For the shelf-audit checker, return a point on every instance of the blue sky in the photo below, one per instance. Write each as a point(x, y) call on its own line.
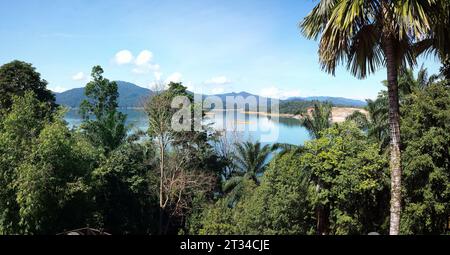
point(211, 46)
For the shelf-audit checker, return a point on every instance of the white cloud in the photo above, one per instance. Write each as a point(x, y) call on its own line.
point(219, 80)
point(274, 92)
point(144, 63)
point(175, 77)
point(58, 89)
point(158, 75)
point(217, 90)
point(144, 58)
point(123, 57)
point(79, 76)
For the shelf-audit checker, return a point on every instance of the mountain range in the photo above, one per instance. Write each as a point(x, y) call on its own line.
point(131, 95)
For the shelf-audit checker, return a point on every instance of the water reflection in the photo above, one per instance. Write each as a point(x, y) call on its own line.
point(251, 126)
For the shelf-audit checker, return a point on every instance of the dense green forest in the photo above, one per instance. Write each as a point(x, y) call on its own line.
point(388, 172)
point(300, 106)
point(164, 182)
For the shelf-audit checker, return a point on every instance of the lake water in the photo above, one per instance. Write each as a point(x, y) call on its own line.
point(266, 129)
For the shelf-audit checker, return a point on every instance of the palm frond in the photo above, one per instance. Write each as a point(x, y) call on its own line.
point(318, 119)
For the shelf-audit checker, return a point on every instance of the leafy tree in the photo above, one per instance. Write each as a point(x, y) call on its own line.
point(122, 188)
point(216, 219)
point(425, 130)
point(318, 119)
point(279, 206)
point(219, 218)
point(108, 129)
point(369, 34)
point(52, 184)
point(186, 159)
point(16, 78)
point(347, 181)
point(160, 113)
point(18, 129)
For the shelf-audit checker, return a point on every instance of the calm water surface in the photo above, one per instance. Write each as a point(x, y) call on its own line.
point(248, 126)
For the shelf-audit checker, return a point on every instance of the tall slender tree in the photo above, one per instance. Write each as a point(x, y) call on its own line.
point(108, 129)
point(159, 112)
point(185, 158)
point(367, 35)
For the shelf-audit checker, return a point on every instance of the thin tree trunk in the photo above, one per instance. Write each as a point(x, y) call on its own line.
point(161, 190)
point(322, 215)
point(394, 125)
point(323, 220)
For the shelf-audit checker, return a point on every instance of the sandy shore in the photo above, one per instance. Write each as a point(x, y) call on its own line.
point(339, 114)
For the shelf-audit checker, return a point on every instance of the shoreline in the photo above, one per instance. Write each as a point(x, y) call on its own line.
point(339, 114)
point(282, 115)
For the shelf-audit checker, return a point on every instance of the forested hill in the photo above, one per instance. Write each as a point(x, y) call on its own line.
point(336, 101)
point(132, 95)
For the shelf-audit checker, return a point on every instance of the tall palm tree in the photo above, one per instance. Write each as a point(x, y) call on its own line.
point(318, 119)
point(367, 35)
point(250, 161)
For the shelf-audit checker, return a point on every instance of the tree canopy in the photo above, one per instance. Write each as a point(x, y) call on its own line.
point(17, 78)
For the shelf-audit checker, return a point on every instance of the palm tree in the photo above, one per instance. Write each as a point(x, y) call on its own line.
point(367, 35)
point(408, 82)
point(377, 122)
point(317, 120)
point(283, 148)
point(360, 119)
point(250, 161)
point(379, 119)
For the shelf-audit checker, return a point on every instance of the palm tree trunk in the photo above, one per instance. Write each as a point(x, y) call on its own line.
point(394, 125)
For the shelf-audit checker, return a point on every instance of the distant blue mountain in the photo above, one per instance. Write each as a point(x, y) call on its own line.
point(130, 95)
point(234, 94)
point(337, 101)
